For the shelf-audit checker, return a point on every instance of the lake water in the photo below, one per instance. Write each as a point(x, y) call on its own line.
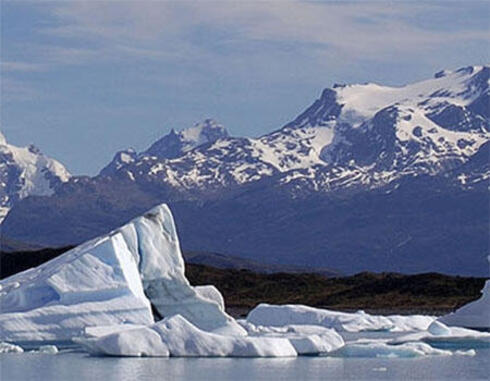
point(79, 366)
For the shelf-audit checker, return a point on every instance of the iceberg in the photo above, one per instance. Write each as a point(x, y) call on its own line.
point(306, 339)
point(108, 281)
point(10, 348)
point(283, 315)
point(133, 342)
point(472, 315)
point(175, 336)
point(440, 335)
point(381, 349)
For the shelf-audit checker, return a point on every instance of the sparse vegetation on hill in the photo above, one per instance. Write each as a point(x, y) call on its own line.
point(243, 289)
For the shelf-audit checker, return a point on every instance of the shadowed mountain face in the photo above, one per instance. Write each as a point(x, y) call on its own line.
point(367, 178)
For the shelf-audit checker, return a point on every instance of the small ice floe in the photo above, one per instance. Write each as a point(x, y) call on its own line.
point(440, 335)
point(175, 336)
point(382, 349)
point(46, 349)
point(275, 315)
point(306, 339)
point(380, 369)
point(10, 348)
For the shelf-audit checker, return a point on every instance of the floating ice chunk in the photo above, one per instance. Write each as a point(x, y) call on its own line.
point(306, 339)
point(381, 349)
point(186, 340)
point(178, 337)
point(46, 349)
point(273, 315)
point(136, 342)
point(441, 335)
point(10, 348)
point(469, 352)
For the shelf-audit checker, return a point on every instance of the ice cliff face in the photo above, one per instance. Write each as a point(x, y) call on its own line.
point(110, 280)
point(25, 171)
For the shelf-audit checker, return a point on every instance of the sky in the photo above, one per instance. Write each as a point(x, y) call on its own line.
point(82, 80)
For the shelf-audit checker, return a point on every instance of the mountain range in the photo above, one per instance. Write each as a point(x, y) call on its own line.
point(368, 177)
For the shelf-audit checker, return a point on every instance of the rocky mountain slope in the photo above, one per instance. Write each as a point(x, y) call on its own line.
point(369, 177)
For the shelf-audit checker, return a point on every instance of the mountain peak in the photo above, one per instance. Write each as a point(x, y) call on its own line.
point(175, 144)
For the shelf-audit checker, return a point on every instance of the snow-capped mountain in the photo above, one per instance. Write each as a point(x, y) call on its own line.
point(171, 146)
point(25, 171)
point(352, 135)
point(368, 177)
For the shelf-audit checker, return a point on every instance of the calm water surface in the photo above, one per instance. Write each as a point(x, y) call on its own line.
point(82, 367)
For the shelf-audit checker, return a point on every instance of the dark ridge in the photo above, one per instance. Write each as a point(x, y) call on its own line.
point(242, 289)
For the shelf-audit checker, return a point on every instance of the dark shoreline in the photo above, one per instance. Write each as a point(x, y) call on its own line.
point(375, 293)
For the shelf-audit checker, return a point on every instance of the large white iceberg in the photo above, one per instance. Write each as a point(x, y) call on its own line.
point(472, 315)
point(283, 315)
point(111, 280)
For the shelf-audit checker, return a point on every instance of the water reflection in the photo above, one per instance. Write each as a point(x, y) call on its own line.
point(81, 367)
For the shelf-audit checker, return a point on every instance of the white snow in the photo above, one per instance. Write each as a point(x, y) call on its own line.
point(36, 173)
point(196, 135)
point(273, 315)
point(361, 102)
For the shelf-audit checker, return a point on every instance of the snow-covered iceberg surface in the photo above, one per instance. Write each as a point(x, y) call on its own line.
point(111, 280)
point(472, 315)
point(283, 315)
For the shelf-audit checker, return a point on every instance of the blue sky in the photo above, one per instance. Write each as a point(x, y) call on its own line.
point(82, 80)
